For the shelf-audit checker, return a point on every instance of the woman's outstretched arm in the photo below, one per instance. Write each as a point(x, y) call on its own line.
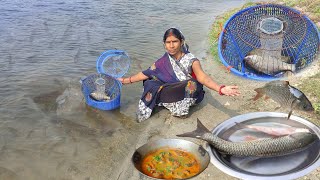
point(206, 80)
point(135, 78)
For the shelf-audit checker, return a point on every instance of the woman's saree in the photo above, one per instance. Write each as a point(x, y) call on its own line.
point(171, 85)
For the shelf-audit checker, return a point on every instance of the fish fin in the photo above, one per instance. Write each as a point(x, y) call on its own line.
point(293, 105)
point(286, 83)
point(290, 112)
point(266, 98)
point(259, 94)
point(277, 108)
point(201, 129)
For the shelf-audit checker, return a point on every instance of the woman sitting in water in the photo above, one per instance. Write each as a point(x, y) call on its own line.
point(174, 81)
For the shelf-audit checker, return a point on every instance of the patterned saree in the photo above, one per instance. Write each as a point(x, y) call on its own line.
point(170, 84)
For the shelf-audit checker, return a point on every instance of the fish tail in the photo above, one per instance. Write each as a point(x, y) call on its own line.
point(201, 129)
point(259, 94)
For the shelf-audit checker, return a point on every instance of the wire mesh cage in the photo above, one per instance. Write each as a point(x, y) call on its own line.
point(268, 42)
point(103, 90)
point(112, 91)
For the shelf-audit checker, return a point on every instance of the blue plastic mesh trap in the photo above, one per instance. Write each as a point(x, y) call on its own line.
point(110, 65)
point(112, 89)
point(277, 38)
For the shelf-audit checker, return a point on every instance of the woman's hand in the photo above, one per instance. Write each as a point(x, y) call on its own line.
point(230, 91)
point(123, 80)
point(132, 79)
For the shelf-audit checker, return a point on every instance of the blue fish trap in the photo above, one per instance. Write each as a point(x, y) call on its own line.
point(111, 64)
point(265, 42)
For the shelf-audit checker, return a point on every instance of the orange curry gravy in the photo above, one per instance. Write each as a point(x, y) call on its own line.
point(170, 163)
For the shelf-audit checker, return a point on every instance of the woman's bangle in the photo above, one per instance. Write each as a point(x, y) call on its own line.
point(130, 79)
point(222, 86)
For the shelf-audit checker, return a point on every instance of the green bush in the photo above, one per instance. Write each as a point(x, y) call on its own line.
point(317, 108)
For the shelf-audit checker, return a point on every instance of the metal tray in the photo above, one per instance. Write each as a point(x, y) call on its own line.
point(198, 151)
point(289, 166)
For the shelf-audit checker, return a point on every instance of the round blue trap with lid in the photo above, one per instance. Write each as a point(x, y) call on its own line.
point(268, 42)
point(103, 90)
point(112, 91)
point(115, 63)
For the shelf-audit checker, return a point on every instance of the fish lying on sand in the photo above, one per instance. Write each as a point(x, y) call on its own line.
point(274, 130)
point(99, 96)
point(268, 65)
point(286, 95)
point(265, 147)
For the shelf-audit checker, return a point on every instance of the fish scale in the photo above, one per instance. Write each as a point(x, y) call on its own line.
point(283, 96)
point(268, 65)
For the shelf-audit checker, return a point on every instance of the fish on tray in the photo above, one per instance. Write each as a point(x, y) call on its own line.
point(272, 130)
point(98, 96)
point(286, 95)
point(266, 147)
point(268, 65)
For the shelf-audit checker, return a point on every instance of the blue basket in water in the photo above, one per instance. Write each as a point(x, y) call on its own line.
point(295, 40)
point(111, 64)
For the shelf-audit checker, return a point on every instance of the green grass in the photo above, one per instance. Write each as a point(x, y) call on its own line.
point(217, 28)
point(311, 86)
point(317, 107)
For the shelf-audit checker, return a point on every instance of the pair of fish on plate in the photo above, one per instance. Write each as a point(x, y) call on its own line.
point(283, 141)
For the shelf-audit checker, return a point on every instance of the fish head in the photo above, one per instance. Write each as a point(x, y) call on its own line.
point(304, 104)
point(247, 58)
point(250, 57)
point(301, 101)
point(311, 137)
point(305, 137)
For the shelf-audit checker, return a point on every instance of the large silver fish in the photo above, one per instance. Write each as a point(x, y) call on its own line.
point(286, 95)
point(268, 65)
point(266, 147)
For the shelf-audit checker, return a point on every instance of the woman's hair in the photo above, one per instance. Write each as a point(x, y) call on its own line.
point(178, 34)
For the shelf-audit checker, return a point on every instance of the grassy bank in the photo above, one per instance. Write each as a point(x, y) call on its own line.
point(311, 8)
